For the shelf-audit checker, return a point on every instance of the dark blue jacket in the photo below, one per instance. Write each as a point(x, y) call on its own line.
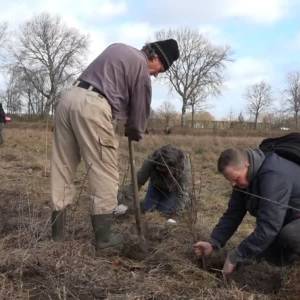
point(277, 179)
point(2, 115)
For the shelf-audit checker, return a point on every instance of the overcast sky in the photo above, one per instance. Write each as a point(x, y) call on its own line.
point(263, 34)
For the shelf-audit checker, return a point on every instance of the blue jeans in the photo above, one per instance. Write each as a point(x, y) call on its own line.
point(164, 202)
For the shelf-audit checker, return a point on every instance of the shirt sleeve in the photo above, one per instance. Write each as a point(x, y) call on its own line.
point(230, 220)
point(139, 108)
point(144, 172)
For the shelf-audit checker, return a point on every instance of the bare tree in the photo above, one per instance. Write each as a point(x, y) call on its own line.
point(259, 98)
point(3, 27)
point(241, 118)
point(3, 40)
point(197, 102)
point(49, 55)
point(20, 95)
point(3, 33)
point(199, 119)
point(34, 101)
point(199, 68)
point(11, 96)
point(231, 116)
point(293, 95)
point(167, 113)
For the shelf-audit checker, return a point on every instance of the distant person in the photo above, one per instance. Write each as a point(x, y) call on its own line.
point(2, 123)
point(115, 86)
point(169, 173)
point(275, 181)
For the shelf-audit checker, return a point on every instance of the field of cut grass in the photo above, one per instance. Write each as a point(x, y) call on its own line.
point(32, 266)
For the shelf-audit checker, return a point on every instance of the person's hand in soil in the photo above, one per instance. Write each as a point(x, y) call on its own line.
point(229, 267)
point(203, 248)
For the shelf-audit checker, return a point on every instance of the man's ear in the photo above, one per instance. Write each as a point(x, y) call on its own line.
point(246, 164)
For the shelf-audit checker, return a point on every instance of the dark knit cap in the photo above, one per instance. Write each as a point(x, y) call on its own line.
point(167, 51)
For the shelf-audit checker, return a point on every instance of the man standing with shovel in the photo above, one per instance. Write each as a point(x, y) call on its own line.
point(115, 86)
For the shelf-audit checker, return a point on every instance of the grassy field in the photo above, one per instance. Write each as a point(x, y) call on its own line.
point(34, 267)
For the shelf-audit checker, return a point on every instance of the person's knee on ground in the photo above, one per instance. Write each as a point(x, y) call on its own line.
point(289, 241)
point(163, 202)
point(167, 205)
point(151, 200)
point(286, 247)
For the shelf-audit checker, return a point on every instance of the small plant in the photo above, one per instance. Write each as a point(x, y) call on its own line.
point(199, 151)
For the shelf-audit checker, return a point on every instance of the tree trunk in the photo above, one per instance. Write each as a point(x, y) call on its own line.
point(46, 111)
point(255, 121)
point(183, 110)
point(48, 105)
point(31, 110)
point(193, 115)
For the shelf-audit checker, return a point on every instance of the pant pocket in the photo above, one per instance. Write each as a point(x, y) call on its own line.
point(108, 150)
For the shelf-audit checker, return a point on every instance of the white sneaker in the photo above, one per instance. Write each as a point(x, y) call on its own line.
point(121, 209)
point(171, 221)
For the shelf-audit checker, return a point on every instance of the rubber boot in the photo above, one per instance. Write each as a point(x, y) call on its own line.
point(58, 221)
point(103, 235)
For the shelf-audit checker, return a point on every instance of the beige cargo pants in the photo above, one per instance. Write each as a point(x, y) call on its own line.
point(83, 128)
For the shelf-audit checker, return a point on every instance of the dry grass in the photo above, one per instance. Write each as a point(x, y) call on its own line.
point(34, 267)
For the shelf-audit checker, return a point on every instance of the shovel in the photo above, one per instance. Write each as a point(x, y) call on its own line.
point(136, 205)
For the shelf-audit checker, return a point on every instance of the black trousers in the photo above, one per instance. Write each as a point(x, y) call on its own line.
point(286, 248)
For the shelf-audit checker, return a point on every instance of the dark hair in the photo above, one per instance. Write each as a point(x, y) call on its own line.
point(171, 159)
point(149, 51)
point(231, 156)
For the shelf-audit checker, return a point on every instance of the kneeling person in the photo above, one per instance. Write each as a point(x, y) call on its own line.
point(168, 169)
point(268, 187)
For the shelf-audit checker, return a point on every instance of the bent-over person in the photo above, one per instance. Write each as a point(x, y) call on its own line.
point(268, 187)
point(115, 86)
point(169, 173)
